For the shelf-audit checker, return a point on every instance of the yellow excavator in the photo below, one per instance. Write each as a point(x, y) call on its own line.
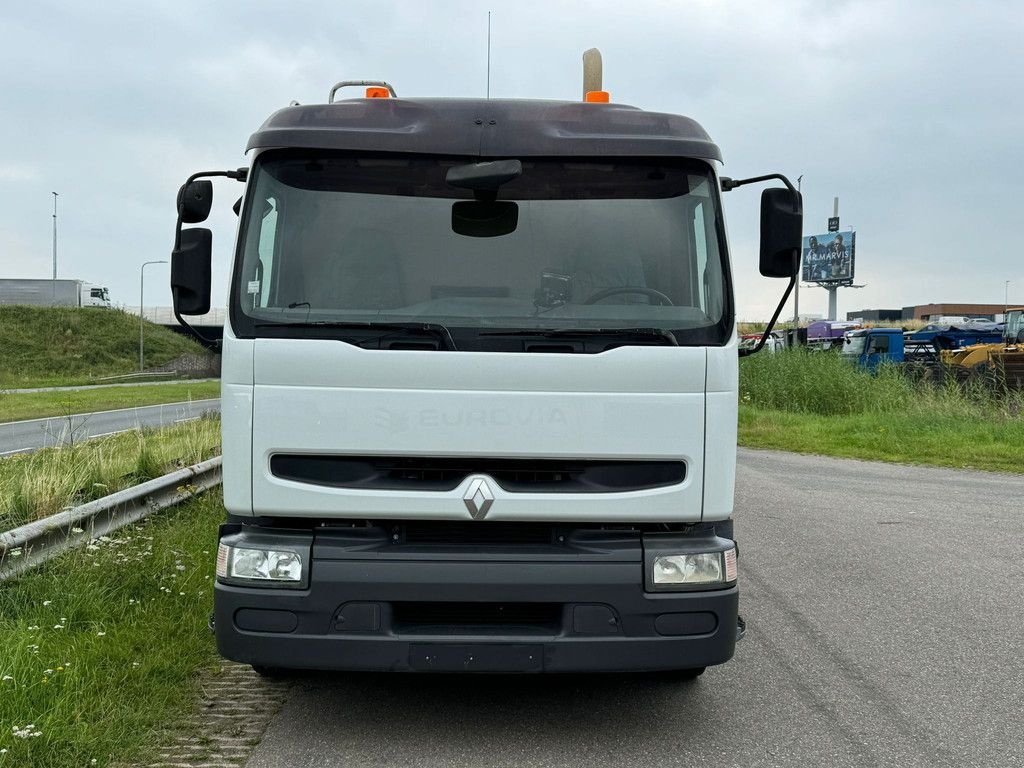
point(1004, 360)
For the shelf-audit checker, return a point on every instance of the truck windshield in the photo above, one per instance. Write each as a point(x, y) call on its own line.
point(341, 240)
point(854, 344)
point(1015, 326)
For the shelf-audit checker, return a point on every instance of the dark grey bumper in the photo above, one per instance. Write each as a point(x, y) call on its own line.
point(574, 608)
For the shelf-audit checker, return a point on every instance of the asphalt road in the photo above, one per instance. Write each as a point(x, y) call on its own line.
point(884, 608)
point(31, 435)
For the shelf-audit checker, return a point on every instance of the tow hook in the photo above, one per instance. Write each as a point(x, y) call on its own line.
point(741, 628)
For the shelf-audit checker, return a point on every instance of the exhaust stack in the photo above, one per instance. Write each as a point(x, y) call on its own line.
point(592, 76)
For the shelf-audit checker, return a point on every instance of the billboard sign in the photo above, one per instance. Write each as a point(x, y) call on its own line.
point(829, 258)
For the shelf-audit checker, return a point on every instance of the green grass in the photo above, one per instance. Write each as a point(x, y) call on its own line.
point(816, 402)
point(53, 346)
point(102, 646)
point(35, 405)
point(35, 485)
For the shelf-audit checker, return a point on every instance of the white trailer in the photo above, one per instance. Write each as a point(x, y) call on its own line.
point(52, 293)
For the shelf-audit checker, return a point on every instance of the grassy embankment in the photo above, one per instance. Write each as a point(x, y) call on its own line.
point(100, 647)
point(35, 485)
point(34, 405)
point(816, 402)
point(57, 346)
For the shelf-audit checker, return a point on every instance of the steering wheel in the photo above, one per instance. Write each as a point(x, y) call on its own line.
point(661, 298)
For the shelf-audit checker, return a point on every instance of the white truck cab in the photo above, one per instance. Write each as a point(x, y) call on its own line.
point(95, 296)
point(479, 387)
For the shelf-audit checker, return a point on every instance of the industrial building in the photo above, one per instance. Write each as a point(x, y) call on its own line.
point(928, 311)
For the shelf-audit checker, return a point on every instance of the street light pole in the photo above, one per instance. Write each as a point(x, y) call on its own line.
point(1006, 299)
point(54, 235)
point(142, 286)
point(796, 288)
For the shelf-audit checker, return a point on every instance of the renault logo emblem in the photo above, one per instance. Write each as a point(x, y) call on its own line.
point(478, 498)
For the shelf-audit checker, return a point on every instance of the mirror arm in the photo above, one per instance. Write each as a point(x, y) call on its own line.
point(728, 184)
point(771, 323)
point(214, 343)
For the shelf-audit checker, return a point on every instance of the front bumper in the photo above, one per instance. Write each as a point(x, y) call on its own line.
point(579, 606)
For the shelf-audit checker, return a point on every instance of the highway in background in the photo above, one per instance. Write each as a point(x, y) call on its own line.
point(883, 606)
point(33, 434)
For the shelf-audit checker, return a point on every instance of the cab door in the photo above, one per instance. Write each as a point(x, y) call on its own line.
point(877, 351)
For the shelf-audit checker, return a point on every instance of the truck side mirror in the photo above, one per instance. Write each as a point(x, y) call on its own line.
point(782, 214)
point(190, 272)
point(194, 201)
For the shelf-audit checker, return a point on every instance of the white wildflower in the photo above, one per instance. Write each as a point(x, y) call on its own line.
point(47, 602)
point(77, 530)
point(100, 634)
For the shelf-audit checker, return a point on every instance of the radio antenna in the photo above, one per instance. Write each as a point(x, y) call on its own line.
point(488, 54)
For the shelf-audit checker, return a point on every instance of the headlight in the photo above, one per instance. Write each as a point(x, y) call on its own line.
point(694, 569)
point(258, 564)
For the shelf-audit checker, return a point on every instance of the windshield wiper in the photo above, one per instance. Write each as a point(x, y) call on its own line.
point(437, 329)
point(616, 333)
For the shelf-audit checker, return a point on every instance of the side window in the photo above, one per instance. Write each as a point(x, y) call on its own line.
point(267, 248)
point(879, 345)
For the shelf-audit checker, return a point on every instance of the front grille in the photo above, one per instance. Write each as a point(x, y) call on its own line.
point(476, 618)
point(445, 532)
point(405, 473)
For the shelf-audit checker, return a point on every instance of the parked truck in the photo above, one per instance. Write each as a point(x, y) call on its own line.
point(479, 386)
point(828, 334)
point(955, 337)
point(871, 347)
point(53, 293)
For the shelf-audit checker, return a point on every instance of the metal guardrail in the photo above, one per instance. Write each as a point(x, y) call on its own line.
point(41, 540)
point(138, 375)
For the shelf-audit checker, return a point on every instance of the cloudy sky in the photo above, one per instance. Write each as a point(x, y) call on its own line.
point(911, 112)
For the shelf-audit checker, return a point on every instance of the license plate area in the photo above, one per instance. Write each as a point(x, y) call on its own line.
point(476, 657)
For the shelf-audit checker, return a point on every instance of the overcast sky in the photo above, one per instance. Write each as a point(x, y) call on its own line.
point(911, 112)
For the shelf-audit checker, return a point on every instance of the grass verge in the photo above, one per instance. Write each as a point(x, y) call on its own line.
point(37, 405)
point(39, 484)
point(816, 402)
point(946, 441)
point(53, 346)
point(101, 646)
